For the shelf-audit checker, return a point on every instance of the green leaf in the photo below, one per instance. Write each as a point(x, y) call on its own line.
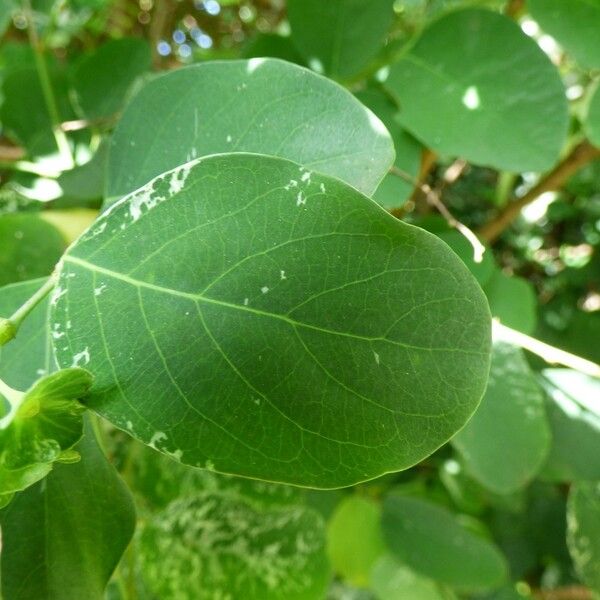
point(341, 36)
point(391, 580)
point(513, 301)
point(475, 100)
point(393, 190)
point(574, 25)
point(583, 531)
point(24, 112)
point(103, 78)
point(46, 422)
point(507, 439)
point(259, 105)
point(221, 544)
point(428, 539)
point(63, 537)
point(354, 539)
point(592, 122)
point(575, 423)
point(295, 331)
point(29, 248)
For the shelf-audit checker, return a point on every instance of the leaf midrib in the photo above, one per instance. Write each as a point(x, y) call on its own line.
point(262, 313)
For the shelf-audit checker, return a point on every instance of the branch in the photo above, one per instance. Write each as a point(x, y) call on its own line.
point(433, 198)
point(581, 155)
point(514, 7)
point(428, 159)
point(573, 592)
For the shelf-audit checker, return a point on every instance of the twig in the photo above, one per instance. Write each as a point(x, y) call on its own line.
point(433, 197)
point(549, 353)
point(573, 592)
point(581, 155)
point(428, 159)
point(10, 153)
point(514, 7)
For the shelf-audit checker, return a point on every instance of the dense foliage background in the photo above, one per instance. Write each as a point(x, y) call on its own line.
point(494, 114)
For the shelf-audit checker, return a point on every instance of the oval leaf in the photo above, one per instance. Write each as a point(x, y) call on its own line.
point(428, 539)
point(294, 331)
point(259, 105)
point(340, 36)
point(475, 100)
point(29, 248)
point(506, 441)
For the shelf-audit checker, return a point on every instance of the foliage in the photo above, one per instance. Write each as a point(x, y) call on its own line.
point(253, 252)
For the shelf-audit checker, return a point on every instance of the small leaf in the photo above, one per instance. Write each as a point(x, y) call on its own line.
point(354, 539)
point(47, 422)
point(574, 25)
point(221, 544)
point(29, 248)
point(104, 77)
point(295, 331)
point(259, 105)
point(507, 439)
point(342, 35)
point(475, 100)
point(428, 539)
point(63, 537)
point(583, 531)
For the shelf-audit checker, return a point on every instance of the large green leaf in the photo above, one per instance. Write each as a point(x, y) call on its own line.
point(258, 105)
point(292, 329)
point(29, 248)
point(463, 94)
point(507, 440)
point(354, 539)
point(63, 537)
point(583, 531)
point(103, 78)
point(221, 544)
point(342, 35)
point(575, 423)
point(574, 24)
point(429, 539)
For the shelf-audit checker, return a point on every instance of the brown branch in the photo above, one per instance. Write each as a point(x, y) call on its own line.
point(514, 7)
point(581, 155)
point(428, 159)
point(573, 592)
